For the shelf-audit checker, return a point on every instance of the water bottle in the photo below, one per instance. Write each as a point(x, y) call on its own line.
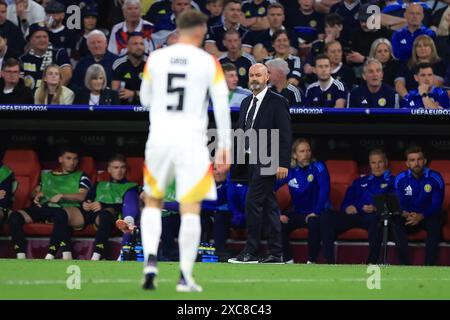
point(209, 253)
point(139, 252)
point(125, 252)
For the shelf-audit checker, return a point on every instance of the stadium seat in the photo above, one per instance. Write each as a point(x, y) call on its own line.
point(283, 198)
point(135, 167)
point(342, 174)
point(443, 167)
point(354, 234)
point(103, 176)
point(26, 168)
point(87, 165)
point(397, 166)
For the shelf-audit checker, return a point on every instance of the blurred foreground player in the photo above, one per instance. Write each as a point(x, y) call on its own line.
point(176, 83)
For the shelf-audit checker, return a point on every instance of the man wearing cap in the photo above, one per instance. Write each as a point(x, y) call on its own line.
point(42, 54)
point(10, 31)
point(60, 35)
point(89, 16)
point(362, 38)
point(133, 23)
point(24, 13)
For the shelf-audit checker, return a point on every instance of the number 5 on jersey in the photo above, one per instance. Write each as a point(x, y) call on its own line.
point(171, 89)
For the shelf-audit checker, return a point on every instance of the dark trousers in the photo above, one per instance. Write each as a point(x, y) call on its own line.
point(170, 229)
point(261, 203)
point(298, 221)
point(431, 224)
point(334, 223)
point(217, 224)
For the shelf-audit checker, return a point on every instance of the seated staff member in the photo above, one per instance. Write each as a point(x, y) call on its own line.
point(309, 185)
point(106, 202)
point(56, 199)
point(327, 92)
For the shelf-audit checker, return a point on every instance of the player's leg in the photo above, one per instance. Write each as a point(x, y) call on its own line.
point(157, 174)
point(195, 183)
point(17, 220)
point(104, 221)
point(60, 234)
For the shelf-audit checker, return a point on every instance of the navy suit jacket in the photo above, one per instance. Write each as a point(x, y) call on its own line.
point(272, 114)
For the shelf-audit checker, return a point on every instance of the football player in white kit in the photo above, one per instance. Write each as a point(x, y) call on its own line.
point(177, 84)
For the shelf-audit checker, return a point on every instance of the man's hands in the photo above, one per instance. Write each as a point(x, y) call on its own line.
point(125, 94)
point(413, 218)
point(92, 206)
point(351, 210)
point(368, 208)
point(282, 173)
point(355, 57)
point(2, 194)
point(37, 197)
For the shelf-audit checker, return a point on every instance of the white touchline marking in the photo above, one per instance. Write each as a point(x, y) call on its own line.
point(109, 281)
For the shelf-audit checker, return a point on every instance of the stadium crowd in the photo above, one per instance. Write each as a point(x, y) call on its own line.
point(319, 54)
point(335, 55)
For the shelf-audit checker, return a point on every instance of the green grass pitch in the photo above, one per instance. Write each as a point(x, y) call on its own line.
point(40, 279)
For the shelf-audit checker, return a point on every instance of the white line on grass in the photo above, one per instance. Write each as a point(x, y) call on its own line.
point(225, 281)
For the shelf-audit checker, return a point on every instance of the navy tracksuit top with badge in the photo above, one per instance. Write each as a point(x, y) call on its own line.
point(309, 188)
point(362, 190)
point(424, 195)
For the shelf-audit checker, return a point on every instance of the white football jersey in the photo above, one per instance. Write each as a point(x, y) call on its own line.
point(177, 84)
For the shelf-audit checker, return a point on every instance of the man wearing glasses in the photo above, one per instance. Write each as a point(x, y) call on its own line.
point(12, 87)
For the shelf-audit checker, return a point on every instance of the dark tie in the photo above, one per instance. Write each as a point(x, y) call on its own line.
point(251, 114)
point(249, 121)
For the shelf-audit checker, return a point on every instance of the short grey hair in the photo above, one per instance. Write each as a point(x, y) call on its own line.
point(93, 72)
point(370, 61)
point(133, 2)
point(94, 33)
point(279, 64)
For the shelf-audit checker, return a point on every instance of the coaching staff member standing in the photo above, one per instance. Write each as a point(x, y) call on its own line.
point(267, 110)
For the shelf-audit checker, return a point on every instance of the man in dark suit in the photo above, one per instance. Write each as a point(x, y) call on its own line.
point(263, 110)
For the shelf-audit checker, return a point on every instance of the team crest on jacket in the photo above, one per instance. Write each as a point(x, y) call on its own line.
point(427, 188)
point(311, 178)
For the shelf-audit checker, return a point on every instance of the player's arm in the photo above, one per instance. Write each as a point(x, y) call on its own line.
point(218, 91)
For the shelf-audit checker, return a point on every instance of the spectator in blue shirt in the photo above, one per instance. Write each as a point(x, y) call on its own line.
point(426, 95)
point(98, 53)
point(424, 51)
point(309, 185)
point(358, 208)
point(402, 40)
point(373, 93)
point(421, 194)
point(327, 92)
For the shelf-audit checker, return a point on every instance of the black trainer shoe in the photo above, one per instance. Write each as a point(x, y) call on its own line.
point(272, 259)
point(244, 257)
point(149, 281)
